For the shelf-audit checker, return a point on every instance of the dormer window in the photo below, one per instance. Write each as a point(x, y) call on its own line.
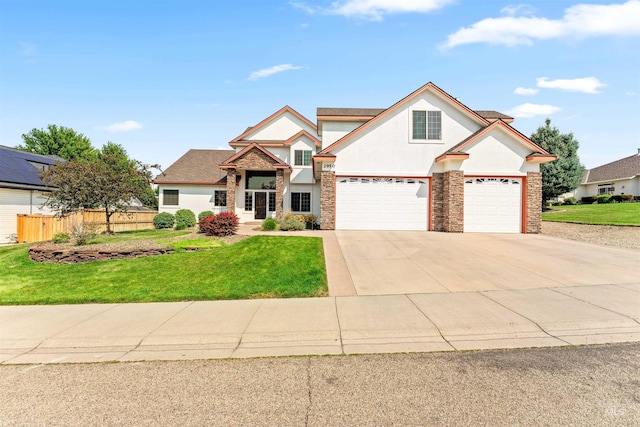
point(426, 125)
point(302, 158)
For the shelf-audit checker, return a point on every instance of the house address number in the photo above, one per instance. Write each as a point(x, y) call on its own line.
point(328, 167)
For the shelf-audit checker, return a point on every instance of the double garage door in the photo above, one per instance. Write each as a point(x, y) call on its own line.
point(382, 203)
point(491, 205)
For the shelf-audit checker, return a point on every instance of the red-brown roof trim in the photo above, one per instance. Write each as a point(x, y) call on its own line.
point(303, 132)
point(277, 163)
point(284, 109)
point(428, 86)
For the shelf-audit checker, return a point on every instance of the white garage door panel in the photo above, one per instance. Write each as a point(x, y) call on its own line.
point(381, 204)
point(493, 205)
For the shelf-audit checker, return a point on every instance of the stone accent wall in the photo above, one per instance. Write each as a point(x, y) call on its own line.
point(231, 190)
point(448, 201)
point(436, 201)
point(534, 202)
point(254, 159)
point(327, 200)
point(279, 192)
point(78, 256)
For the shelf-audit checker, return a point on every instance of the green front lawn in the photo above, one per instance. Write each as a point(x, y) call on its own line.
point(257, 267)
point(601, 214)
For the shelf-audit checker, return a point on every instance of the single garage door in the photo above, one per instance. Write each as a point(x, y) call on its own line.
point(381, 203)
point(493, 205)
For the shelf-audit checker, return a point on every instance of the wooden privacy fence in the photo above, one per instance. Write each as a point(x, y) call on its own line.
point(38, 228)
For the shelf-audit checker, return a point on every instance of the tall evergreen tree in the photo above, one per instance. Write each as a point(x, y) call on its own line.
point(562, 175)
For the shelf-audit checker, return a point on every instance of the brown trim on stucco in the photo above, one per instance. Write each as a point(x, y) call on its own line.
point(271, 117)
point(429, 86)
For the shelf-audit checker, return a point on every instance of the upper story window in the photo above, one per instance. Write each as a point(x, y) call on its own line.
point(170, 197)
point(302, 158)
point(426, 125)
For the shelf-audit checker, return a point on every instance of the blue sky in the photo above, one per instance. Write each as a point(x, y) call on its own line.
point(160, 77)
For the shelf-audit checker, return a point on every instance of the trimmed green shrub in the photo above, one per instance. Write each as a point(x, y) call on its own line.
point(570, 201)
point(269, 224)
point(555, 203)
point(61, 238)
point(185, 218)
point(223, 224)
point(82, 233)
point(587, 200)
point(204, 214)
point(163, 220)
point(292, 222)
point(311, 221)
point(604, 198)
point(622, 197)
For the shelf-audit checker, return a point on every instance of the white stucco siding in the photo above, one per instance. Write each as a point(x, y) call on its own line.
point(315, 197)
point(385, 148)
point(302, 174)
point(197, 198)
point(498, 153)
point(281, 128)
point(621, 186)
point(14, 202)
point(333, 131)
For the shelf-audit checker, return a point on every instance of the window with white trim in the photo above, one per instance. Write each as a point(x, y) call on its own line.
point(606, 189)
point(426, 125)
point(272, 201)
point(302, 158)
point(301, 202)
point(220, 198)
point(248, 200)
point(170, 197)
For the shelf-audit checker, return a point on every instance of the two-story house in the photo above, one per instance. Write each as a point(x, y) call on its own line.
point(428, 162)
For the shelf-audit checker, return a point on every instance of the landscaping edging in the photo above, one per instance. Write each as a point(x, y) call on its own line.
point(78, 256)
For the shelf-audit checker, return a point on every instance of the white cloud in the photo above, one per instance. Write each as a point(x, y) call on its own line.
point(125, 126)
point(585, 85)
point(374, 10)
point(525, 91)
point(579, 21)
point(533, 110)
point(517, 9)
point(272, 70)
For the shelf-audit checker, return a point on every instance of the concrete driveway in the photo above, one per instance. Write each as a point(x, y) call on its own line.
point(406, 262)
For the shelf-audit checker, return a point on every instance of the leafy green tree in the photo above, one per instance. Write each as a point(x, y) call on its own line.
point(60, 141)
point(562, 175)
point(109, 181)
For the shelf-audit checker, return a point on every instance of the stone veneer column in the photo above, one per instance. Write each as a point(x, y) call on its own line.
point(534, 202)
point(279, 192)
point(453, 205)
point(231, 190)
point(437, 201)
point(327, 200)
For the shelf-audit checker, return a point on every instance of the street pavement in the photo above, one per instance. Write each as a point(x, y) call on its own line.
point(586, 385)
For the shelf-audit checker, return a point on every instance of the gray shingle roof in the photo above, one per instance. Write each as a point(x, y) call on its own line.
point(349, 111)
point(17, 169)
point(196, 167)
point(623, 168)
point(372, 112)
point(491, 114)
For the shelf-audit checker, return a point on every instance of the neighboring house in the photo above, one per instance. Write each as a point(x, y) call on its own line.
point(427, 162)
point(21, 189)
point(194, 182)
point(619, 177)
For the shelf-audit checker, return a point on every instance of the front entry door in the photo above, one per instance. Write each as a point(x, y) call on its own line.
point(261, 205)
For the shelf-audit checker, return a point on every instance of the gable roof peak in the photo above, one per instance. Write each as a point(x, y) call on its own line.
point(278, 113)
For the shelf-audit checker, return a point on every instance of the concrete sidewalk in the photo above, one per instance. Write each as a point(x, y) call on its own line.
point(569, 315)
